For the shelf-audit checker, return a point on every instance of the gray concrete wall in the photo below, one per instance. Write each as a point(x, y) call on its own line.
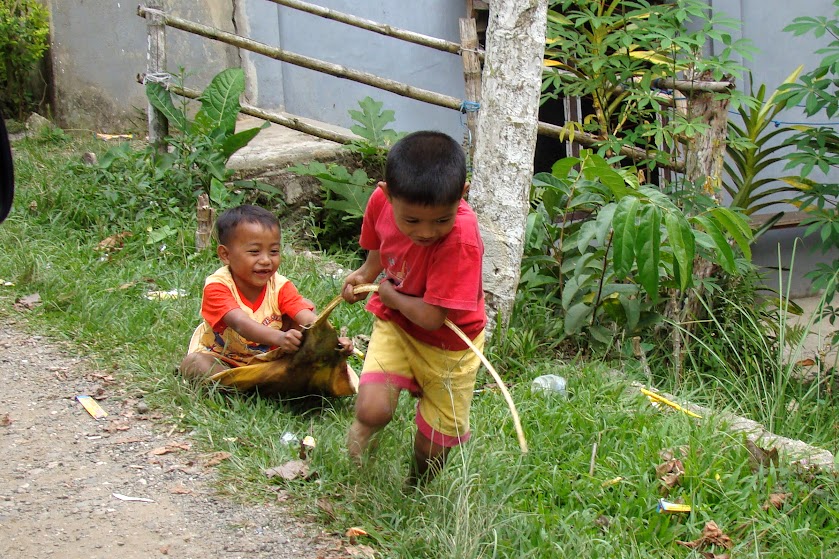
point(98, 48)
point(783, 254)
point(326, 98)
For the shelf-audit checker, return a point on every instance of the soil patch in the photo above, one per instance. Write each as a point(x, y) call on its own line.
point(64, 476)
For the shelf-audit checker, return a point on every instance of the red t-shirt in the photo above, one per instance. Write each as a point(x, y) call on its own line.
point(218, 301)
point(446, 274)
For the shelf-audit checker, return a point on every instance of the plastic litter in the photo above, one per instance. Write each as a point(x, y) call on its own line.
point(550, 383)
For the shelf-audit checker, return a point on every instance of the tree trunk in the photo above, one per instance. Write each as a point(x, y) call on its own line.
point(706, 152)
point(703, 168)
point(505, 143)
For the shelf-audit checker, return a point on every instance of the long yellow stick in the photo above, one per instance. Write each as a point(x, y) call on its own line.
point(372, 288)
point(659, 398)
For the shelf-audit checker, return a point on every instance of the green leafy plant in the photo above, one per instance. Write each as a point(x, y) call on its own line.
point(817, 147)
point(754, 146)
point(152, 193)
point(206, 143)
point(345, 191)
point(24, 33)
point(612, 52)
point(600, 246)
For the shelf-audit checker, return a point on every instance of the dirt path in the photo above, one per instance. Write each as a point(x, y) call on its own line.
point(60, 470)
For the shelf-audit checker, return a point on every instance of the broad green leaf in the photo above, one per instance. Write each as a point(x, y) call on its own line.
point(572, 288)
point(161, 99)
point(218, 192)
point(725, 256)
point(623, 238)
point(587, 232)
point(232, 144)
point(562, 168)
point(632, 310)
point(647, 247)
point(372, 121)
point(601, 334)
point(735, 225)
point(597, 169)
point(220, 102)
point(683, 246)
point(603, 223)
point(576, 318)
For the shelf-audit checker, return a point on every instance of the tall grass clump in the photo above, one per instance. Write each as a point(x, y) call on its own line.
point(747, 358)
point(589, 486)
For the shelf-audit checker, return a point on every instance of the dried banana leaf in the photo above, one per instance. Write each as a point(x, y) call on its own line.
point(318, 367)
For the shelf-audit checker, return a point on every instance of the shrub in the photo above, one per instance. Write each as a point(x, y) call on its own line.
point(24, 30)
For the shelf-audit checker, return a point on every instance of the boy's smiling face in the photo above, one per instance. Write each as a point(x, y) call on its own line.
point(424, 225)
point(253, 255)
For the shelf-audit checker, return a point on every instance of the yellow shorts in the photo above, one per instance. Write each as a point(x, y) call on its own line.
point(444, 381)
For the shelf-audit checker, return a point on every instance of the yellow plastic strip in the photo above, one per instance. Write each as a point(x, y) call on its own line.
point(658, 398)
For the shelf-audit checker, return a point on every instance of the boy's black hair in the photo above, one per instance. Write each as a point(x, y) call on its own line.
point(426, 168)
point(230, 219)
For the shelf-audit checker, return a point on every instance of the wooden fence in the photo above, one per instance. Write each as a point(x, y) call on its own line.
point(468, 49)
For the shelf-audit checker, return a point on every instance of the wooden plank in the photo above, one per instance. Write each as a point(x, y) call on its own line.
point(472, 75)
point(788, 219)
point(156, 66)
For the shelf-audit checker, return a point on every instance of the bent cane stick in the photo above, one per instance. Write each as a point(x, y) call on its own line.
point(372, 288)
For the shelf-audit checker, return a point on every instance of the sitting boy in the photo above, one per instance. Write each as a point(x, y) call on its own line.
point(425, 237)
point(248, 308)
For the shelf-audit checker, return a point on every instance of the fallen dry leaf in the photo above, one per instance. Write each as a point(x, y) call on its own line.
point(711, 535)
point(116, 426)
point(217, 458)
point(291, 470)
point(28, 302)
point(670, 473)
point(326, 507)
point(760, 457)
point(602, 522)
point(114, 242)
point(775, 500)
point(355, 532)
point(361, 552)
point(175, 447)
point(806, 362)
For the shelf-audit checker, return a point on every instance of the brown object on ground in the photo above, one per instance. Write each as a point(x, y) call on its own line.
point(318, 367)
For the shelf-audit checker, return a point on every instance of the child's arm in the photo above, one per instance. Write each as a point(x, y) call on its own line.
point(305, 317)
point(252, 330)
point(424, 315)
point(367, 273)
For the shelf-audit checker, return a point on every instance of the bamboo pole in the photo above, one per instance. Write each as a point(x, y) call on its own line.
point(567, 134)
point(336, 70)
point(283, 120)
point(155, 66)
point(404, 90)
point(375, 27)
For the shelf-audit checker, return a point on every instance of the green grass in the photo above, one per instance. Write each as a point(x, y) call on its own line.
point(491, 501)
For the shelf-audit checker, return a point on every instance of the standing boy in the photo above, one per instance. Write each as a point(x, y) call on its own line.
point(248, 307)
point(420, 232)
